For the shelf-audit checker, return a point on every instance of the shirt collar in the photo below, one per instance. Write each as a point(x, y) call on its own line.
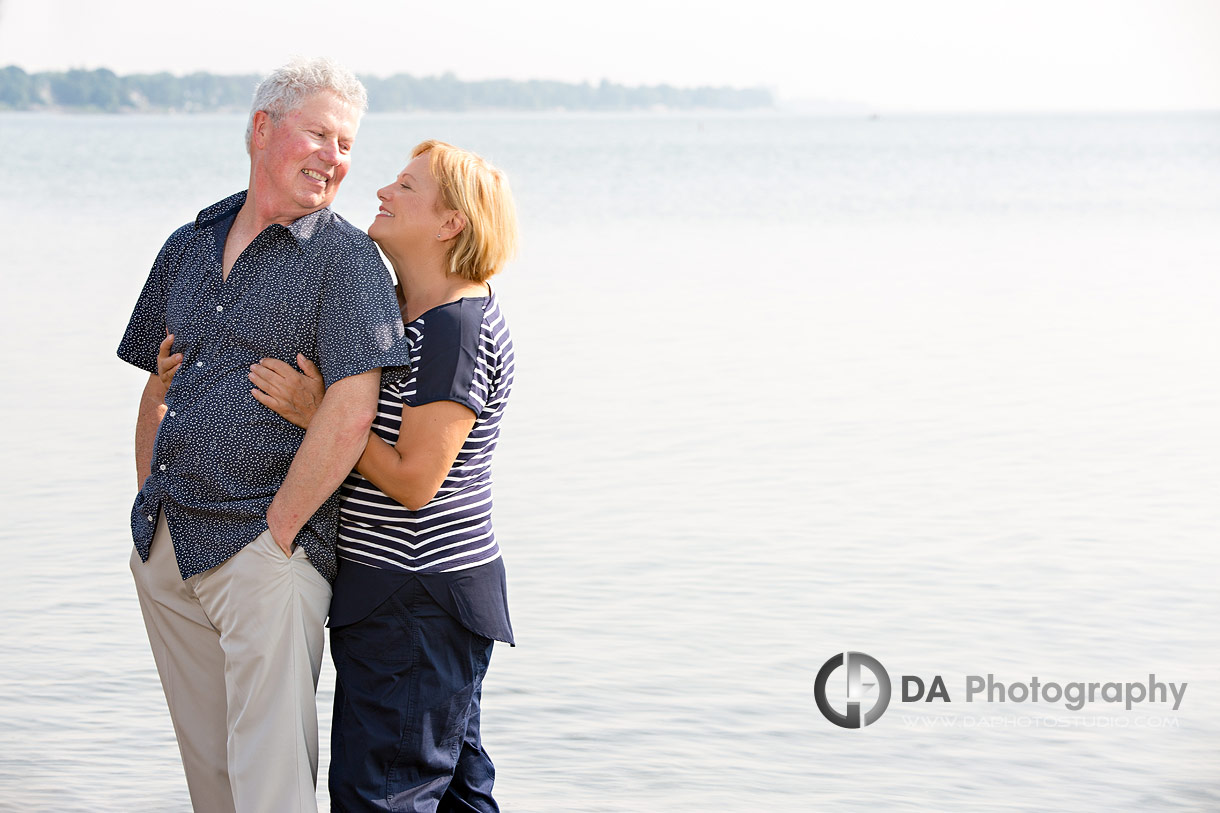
point(303, 229)
point(219, 211)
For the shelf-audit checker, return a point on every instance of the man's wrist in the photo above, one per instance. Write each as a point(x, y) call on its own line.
point(282, 532)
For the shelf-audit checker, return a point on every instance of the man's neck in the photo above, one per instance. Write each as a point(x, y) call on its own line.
point(247, 225)
point(261, 210)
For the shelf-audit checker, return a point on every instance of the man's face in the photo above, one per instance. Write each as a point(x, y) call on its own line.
point(306, 155)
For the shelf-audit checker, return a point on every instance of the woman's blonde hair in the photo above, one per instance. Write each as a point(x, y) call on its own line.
point(480, 192)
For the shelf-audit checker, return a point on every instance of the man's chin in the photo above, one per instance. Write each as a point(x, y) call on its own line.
point(313, 202)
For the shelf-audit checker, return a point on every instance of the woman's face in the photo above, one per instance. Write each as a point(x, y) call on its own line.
point(409, 216)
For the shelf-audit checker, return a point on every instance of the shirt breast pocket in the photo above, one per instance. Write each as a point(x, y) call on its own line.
point(183, 318)
point(278, 326)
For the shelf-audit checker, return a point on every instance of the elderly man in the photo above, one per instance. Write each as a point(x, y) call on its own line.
point(235, 520)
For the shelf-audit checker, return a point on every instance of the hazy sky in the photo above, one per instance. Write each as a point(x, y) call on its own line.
point(893, 54)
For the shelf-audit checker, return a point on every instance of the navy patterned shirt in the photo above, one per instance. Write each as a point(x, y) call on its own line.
point(316, 287)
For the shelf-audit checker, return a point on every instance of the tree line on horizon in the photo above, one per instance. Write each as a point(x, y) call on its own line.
point(104, 91)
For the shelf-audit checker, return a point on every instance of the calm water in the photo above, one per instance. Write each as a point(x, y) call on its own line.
point(941, 390)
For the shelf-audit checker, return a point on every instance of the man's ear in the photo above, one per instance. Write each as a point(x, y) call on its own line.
point(261, 130)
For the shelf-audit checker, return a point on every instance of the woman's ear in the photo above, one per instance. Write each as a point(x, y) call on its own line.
point(452, 226)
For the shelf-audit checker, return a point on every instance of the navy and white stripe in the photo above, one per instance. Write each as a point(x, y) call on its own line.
point(461, 352)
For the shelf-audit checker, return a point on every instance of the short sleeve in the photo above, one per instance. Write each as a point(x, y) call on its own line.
point(146, 328)
point(359, 325)
point(451, 366)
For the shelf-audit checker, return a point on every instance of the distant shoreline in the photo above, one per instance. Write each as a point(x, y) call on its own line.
point(103, 91)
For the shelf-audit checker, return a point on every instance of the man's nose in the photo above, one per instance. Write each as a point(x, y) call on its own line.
point(330, 153)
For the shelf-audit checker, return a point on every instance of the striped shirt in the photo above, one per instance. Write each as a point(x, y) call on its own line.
point(460, 352)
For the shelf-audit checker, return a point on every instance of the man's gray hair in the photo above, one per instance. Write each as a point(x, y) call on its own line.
point(287, 88)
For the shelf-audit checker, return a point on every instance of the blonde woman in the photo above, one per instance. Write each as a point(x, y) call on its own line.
point(420, 595)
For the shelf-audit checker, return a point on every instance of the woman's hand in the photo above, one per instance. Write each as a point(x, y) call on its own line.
point(291, 395)
point(167, 364)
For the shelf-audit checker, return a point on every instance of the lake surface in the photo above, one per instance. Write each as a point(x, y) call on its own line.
point(940, 390)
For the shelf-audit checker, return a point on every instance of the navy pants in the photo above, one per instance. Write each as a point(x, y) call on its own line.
point(405, 734)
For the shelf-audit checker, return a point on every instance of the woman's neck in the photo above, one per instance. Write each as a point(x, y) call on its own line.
point(419, 293)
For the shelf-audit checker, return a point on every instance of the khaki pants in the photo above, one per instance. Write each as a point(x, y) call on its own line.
point(238, 648)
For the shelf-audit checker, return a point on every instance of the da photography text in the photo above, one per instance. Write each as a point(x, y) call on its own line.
point(861, 694)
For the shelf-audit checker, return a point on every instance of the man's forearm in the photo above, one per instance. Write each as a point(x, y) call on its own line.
point(152, 410)
point(332, 445)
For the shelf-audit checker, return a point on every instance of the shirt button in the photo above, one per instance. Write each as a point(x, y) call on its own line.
point(162, 467)
point(172, 413)
point(150, 519)
point(199, 364)
point(219, 308)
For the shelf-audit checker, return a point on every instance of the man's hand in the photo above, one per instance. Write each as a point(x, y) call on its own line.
point(283, 534)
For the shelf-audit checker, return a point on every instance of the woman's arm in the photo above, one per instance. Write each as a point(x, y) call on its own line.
point(152, 407)
point(411, 472)
point(429, 441)
point(148, 419)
